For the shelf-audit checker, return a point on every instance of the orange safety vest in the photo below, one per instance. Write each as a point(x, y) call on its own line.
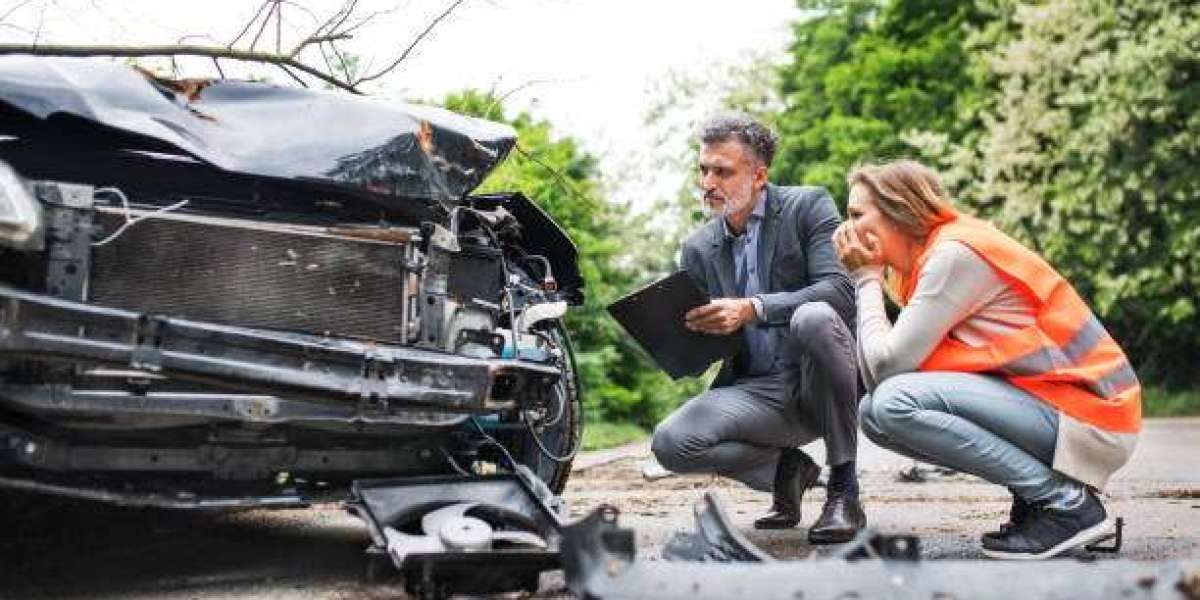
point(1066, 358)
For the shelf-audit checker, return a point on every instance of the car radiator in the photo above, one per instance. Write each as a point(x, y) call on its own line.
point(336, 282)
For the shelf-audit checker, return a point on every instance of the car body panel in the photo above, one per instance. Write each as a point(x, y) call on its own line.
point(392, 149)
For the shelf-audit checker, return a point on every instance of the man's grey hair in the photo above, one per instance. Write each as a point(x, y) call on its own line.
point(752, 134)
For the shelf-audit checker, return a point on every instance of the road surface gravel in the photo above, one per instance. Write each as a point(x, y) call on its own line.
point(51, 547)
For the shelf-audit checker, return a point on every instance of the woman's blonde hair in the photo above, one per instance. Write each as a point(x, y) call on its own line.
point(910, 195)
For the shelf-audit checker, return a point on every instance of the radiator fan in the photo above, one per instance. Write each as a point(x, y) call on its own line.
point(463, 527)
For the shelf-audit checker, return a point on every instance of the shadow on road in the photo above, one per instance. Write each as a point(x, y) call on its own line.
point(56, 547)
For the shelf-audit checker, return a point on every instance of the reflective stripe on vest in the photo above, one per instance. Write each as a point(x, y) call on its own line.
point(1066, 358)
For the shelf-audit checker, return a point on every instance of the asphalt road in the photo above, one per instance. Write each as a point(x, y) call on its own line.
point(55, 548)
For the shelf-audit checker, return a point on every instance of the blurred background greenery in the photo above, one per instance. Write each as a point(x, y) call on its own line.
point(1071, 124)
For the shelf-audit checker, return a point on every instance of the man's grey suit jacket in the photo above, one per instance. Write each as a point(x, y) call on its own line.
point(795, 249)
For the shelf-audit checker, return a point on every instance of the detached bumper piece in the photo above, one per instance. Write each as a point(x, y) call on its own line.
point(715, 562)
point(377, 379)
point(496, 534)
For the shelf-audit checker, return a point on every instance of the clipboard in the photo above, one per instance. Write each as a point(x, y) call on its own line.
point(653, 315)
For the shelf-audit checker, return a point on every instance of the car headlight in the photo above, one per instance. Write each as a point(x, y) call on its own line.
point(20, 213)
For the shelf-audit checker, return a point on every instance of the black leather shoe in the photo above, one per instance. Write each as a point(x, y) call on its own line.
point(794, 474)
point(1019, 511)
point(841, 519)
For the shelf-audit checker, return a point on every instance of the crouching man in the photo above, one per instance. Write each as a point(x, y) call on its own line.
point(767, 259)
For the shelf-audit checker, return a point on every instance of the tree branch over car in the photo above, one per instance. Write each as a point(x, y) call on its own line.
point(326, 41)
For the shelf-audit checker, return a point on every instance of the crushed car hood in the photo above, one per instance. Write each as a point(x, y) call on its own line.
point(260, 129)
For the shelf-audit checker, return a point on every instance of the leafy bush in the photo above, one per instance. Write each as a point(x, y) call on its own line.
point(1074, 125)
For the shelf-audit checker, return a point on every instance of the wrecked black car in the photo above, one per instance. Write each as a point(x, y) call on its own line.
point(231, 293)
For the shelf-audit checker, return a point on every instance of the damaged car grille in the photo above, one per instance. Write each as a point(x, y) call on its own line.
point(230, 271)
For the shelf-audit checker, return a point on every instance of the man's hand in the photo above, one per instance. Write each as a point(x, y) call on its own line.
point(721, 316)
point(853, 250)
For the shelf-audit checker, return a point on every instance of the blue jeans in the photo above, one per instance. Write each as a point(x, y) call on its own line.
point(977, 424)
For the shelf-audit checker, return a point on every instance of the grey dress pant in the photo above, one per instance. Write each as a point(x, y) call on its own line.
point(737, 431)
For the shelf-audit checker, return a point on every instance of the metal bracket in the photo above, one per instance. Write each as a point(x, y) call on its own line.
point(870, 544)
point(70, 195)
point(1114, 538)
point(373, 393)
point(68, 238)
point(147, 343)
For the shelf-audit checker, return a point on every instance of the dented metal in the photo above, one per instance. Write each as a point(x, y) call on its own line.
point(387, 148)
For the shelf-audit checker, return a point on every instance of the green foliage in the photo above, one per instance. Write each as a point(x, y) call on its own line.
point(599, 435)
point(1158, 401)
point(1086, 150)
point(619, 381)
point(1072, 124)
point(863, 74)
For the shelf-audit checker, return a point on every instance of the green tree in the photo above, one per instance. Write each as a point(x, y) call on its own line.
point(864, 73)
point(1087, 150)
point(620, 383)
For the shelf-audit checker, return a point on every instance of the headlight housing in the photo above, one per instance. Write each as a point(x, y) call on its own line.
point(21, 222)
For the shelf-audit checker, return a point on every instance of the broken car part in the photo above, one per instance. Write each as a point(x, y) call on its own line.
point(714, 539)
point(448, 536)
point(426, 530)
point(601, 562)
point(259, 129)
point(378, 379)
point(20, 215)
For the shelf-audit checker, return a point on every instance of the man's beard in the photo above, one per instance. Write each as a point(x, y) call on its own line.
point(711, 212)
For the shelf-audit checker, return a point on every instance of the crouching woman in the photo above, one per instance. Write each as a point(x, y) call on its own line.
point(995, 366)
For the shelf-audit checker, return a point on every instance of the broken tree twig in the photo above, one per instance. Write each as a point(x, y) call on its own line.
point(249, 24)
point(14, 8)
point(293, 75)
point(318, 39)
point(179, 50)
point(411, 46)
point(266, 19)
point(558, 176)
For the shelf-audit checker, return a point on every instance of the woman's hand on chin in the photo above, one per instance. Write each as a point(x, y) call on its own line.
point(854, 251)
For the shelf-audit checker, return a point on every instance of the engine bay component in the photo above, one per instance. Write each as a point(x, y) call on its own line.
point(20, 215)
point(462, 527)
point(462, 535)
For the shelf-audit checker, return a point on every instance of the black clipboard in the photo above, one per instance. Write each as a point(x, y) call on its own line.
point(653, 315)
